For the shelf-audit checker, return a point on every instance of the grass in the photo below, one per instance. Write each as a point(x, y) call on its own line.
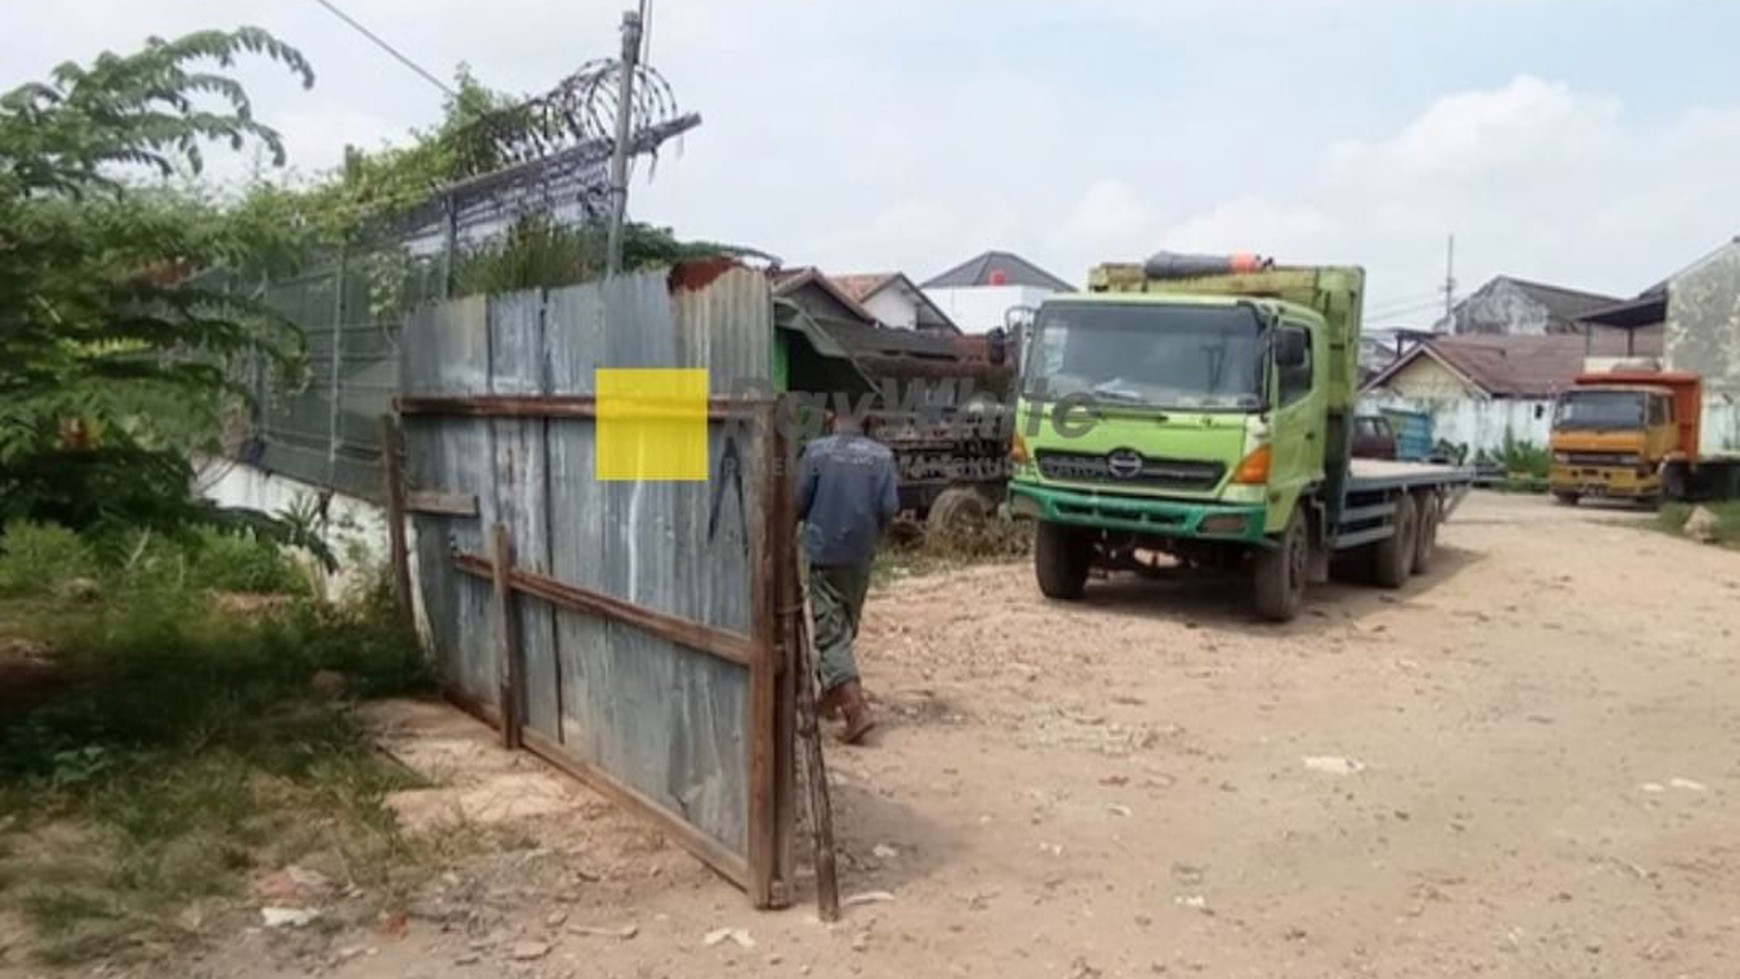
point(1673, 516)
point(180, 749)
point(912, 551)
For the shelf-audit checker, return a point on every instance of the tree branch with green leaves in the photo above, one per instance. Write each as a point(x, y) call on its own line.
point(113, 355)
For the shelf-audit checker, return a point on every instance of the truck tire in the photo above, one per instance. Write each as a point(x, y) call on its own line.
point(1425, 532)
point(1283, 571)
point(957, 514)
point(1393, 557)
point(1062, 556)
point(1564, 498)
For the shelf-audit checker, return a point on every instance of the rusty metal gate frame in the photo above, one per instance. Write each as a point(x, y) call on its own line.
point(765, 871)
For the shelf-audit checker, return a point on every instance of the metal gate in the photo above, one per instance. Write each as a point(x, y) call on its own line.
point(631, 633)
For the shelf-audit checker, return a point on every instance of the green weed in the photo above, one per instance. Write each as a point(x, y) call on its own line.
point(34, 557)
point(1673, 516)
point(181, 748)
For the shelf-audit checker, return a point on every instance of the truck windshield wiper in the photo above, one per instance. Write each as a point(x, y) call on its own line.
point(1118, 394)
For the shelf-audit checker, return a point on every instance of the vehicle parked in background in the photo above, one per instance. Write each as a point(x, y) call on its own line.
point(1633, 435)
point(1415, 435)
point(1220, 399)
point(1373, 438)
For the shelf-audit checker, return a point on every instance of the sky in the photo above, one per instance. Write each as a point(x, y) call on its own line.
point(1593, 144)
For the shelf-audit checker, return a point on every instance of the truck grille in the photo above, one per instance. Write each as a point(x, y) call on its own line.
point(1125, 467)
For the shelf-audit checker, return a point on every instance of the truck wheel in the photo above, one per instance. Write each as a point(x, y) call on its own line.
point(1425, 532)
point(1282, 572)
point(1393, 559)
point(957, 514)
point(1061, 558)
point(1564, 498)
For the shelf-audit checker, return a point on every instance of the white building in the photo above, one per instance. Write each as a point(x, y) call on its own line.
point(978, 293)
point(894, 301)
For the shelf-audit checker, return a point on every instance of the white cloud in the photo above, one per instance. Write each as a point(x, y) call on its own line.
point(1254, 224)
point(1529, 124)
point(1111, 214)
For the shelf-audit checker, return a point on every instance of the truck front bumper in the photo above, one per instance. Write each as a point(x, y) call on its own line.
point(1622, 482)
point(1142, 515)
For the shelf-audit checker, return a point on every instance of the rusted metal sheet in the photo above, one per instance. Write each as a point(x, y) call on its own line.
point(446, 353)
point(668, 722)
point(647, 621)
point(518, 368)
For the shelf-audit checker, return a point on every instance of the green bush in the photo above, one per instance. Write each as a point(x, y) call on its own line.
point(243, 563)
point(1524, 458)
point(1673, 516)
point(35, 557)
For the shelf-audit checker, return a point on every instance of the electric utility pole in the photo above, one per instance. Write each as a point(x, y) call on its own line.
point(1450, 286)
point(631, 32)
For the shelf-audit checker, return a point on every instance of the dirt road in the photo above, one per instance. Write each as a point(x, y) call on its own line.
point(1523, 765)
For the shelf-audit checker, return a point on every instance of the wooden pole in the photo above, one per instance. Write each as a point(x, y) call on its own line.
point(763, 843)
point(810, 733)
point(392, 469)
point(507, 649)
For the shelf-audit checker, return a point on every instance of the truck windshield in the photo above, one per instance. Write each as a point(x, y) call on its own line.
point(1594, 410)
point(1160, 356)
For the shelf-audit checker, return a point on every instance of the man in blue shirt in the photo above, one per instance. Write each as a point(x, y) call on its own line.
point(846, 495)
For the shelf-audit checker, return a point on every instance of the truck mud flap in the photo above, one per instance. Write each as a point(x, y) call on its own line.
point(1453, 497)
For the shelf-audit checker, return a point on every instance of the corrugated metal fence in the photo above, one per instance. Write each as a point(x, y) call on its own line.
point(633, 633)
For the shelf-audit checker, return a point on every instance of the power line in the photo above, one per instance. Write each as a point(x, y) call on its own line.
point(1391, 311)
point(388, 48)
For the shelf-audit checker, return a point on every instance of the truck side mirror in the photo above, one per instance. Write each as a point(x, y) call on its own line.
point(1292, 350)
point(1540, 411)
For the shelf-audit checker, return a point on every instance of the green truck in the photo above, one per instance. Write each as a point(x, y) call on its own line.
point(1195, 413)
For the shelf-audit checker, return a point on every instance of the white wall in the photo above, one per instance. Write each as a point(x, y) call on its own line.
point(979, 309)
point(356, 530)
point(892, 307)
point(1478, 423)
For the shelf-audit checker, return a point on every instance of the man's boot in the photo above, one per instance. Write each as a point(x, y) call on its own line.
point(828, 706)
point(856, 710)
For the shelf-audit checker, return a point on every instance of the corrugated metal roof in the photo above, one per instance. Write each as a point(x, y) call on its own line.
point(1523, 366)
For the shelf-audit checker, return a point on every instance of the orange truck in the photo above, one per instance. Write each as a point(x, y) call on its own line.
point(1633, 435)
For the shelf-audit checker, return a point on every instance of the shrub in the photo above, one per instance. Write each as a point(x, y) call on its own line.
point(35, 557)
point(243, 563)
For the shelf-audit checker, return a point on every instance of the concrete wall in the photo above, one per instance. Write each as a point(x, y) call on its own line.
point(356, 529)
point(1500, 307)
point(1703, 335)
point(979, 309)
point(1478, 423)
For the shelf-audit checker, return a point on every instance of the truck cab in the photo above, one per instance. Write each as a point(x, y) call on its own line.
point(1613, 432)
point(1199, 412)
point(1154, 412)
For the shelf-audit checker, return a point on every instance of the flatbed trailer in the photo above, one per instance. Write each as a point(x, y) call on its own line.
point(1374, 487)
